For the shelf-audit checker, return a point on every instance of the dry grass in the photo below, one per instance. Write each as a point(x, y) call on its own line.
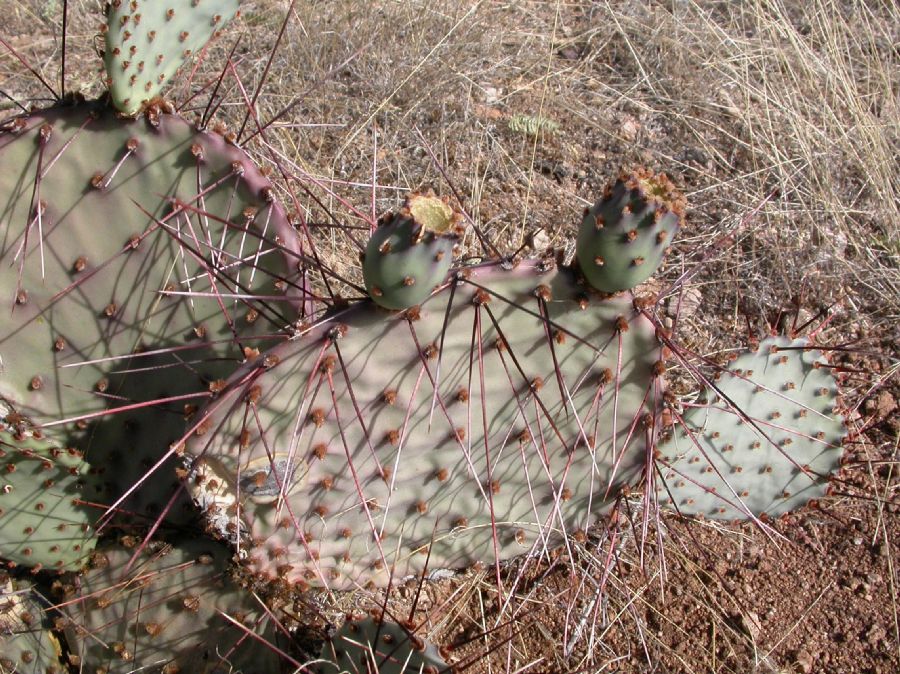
point(779, 119)
point(742, 103)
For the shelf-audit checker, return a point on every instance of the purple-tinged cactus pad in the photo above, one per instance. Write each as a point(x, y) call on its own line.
point(139, 260)
point(497, 418)
point(763, 440)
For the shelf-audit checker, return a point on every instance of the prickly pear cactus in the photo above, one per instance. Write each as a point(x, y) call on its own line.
point(369, 646)
point(147, 41)
point(491, 421)
point(410, 252)
point(173, 611)
point(623, 237)
point(44, 522)
point(140, 260)
point(27, 646)
point(764, 439)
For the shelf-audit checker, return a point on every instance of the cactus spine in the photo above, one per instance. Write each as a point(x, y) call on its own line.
point(378, 645)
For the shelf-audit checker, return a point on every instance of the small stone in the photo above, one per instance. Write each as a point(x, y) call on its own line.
point(804, 661)
point(630, 128)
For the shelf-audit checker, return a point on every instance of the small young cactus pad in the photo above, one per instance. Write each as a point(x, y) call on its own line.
point(130, 247)
point(27, 646)
point(169, 613)
point(623, 237)
point(496, 418)
point(43, 523)
point(763, 439)
point(148, 40)
point(371, 646)
point(410, 252)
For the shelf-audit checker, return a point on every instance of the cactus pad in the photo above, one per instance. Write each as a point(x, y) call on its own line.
point(764, 440)
point(166, 614)
point(623, 237)
point(410, 252)
point(119, 238)
point(370, 645)
point(491, 421)
point(148, 40)
point(43, 523)
point(27, 646)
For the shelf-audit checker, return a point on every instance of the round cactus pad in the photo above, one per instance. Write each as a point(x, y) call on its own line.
point(173, 612)
point(45, 518)
point(139, 260)
point(490, 422)
point(763, 439)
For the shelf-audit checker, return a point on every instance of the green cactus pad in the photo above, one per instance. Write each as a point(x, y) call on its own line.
point(623, 237)
point(147, 41)
point(167, 614)
point(43, 522)
point(371, 645)
point(27, 646)
point(132, 254)
point(509, 456)
point(764, 440)
point(410, 253)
